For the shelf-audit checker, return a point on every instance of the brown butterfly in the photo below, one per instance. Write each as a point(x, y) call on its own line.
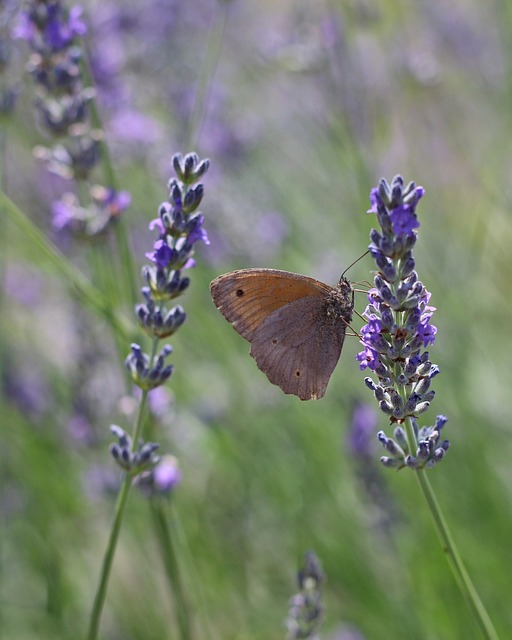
point(296, 325)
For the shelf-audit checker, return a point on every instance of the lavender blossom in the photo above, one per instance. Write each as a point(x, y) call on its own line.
point(104, 209)
point(8, 89)
point(53, 35)
point(133, 461)
point(180, 227)
point(399, 328)
point(62, 103)
point(360, 438)
point(145, 372)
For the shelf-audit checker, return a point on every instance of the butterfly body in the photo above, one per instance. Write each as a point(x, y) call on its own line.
point(296, 325)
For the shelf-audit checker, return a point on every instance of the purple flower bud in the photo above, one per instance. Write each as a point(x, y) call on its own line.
point(386, 407)
point(407, 266)
point(424, 451)
point(422, 387)
point(411, 462)
point(391, 463)
point(401, 438)
point(422, 407)
point(370, 383)
point(376, 238)
point(440, 422)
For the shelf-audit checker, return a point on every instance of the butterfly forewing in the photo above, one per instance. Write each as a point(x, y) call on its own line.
point(296, 351)
point(248, 296)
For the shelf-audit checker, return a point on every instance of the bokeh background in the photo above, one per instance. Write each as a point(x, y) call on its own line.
point(301, 107)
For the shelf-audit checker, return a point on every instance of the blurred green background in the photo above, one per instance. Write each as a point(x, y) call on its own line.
point(301, 107)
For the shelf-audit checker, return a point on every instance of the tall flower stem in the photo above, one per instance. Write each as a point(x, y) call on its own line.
point(108, 559)
point(180, 227)
point(450, 549)
point(399, 329)
point(211, 59)
point(92, 296)
point(169, 556)
point(127, 270)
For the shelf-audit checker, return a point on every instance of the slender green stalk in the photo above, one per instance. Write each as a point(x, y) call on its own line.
point(450, 549)
point(169, 555)
point(187, 561)
point(126, 260)
point(108, 559)
point(4, 243)
point(88, 292)
point(211, 59)
point(127, 267)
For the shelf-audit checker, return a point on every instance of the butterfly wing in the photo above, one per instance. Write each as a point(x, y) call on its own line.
point(248, 296)
point(298, 346)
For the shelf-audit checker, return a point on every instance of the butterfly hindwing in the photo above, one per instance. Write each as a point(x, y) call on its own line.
point(296, 351)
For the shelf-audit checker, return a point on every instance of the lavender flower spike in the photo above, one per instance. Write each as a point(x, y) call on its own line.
point(306, 606)
point(399, 329)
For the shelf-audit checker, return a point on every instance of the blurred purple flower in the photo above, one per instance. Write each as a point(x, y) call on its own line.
point(80, 429)
point(24, 284)
point(116, 201)
point(133, 126)
point(362, 431)
point(105, 207)
point(346, 632)
point(100, 481)
point(161, 479)
point(160, 401)
point(46, 27)
point(166, 474)
point(272, 228)
point(28, 390)
point(64, 212)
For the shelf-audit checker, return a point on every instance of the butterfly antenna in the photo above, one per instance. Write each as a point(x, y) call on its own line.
point(362, 283)
point(353, 263)
point(355, 334)
point(360, 316)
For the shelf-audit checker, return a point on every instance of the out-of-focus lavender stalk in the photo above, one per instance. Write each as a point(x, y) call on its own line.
point(306, 606)
point(180, 226)
point(64, 103)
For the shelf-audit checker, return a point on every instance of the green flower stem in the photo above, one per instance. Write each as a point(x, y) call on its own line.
point(88, 292)
point(211, 59)
point(169, 556)
point(450, 549)
point(127, 271)
point(4, 455)
point(108, 559)
point(126, 260)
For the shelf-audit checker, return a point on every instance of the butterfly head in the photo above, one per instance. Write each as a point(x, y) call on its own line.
point(340, 301)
